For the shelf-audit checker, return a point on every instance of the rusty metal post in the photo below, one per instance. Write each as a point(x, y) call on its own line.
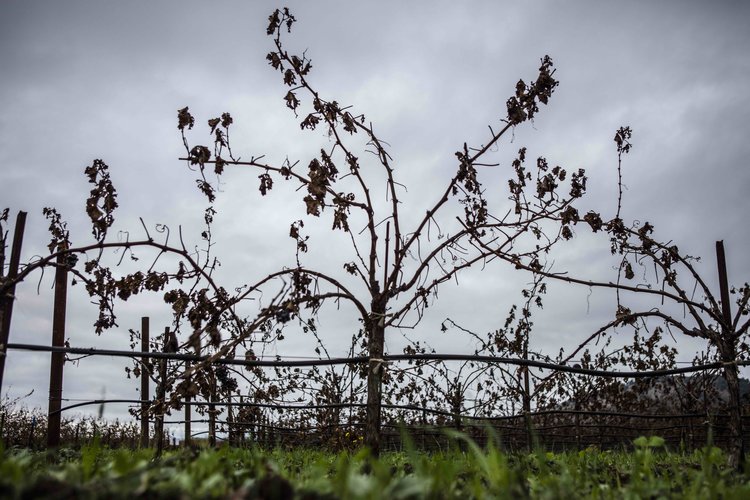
point(6, 300)
point(58, 358)
point(145, 393)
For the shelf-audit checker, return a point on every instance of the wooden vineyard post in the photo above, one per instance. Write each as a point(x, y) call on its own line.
point(57, 358)
point(261, 436)
point(161, 397)
point(230, 425)
point(266, 431)
point(188, 431)
point(145, 374)
point(728, 350)
point(212, 414)
point(243, 427)
point(456, 411)
point(457, 407)
point(577, 418)
point(272, 433)
point(527, 397)
point(691, 434)
point(6, 300)
point(30, 439)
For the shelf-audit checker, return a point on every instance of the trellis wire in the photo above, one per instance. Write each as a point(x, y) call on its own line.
point(391, 358)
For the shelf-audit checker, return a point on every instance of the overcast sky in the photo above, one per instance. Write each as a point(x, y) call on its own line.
point(104, 79)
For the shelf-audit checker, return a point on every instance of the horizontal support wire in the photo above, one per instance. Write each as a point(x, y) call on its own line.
point(90, 351)
point(433, 411)
point(258, 424)
point(389, 358)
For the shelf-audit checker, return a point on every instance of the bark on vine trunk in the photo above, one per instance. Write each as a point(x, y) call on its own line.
point(374, 380)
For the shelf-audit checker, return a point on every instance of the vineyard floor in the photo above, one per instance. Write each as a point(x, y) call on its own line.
point(646, 470)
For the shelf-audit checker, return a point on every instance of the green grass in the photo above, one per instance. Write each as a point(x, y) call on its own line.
point(646, 471)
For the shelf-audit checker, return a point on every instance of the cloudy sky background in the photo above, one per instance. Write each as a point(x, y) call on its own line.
point(84, 80)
